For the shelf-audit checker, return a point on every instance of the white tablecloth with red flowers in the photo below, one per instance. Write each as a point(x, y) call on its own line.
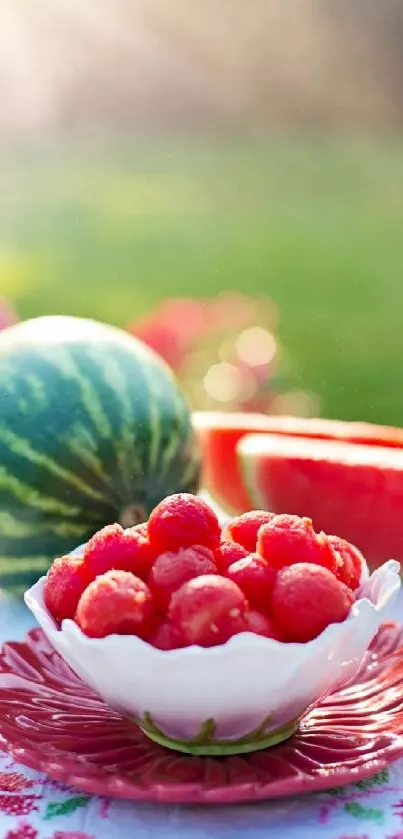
point(33, 807)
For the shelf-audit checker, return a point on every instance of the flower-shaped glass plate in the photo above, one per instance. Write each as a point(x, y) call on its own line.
point(51, 721)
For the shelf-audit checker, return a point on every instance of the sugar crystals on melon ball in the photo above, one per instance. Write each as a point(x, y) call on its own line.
point(116, 603)
point(306, 599)
point(208, 610)
point(255, 578)
point(351, 564)
point(183, 520)
point(115, 548)
point(227, 553)
point(244, 529)
point(287, 539)
point(64, 585)
point(141, 528)
point(174, 568)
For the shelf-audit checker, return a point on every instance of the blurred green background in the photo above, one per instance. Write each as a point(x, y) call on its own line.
point(316, 224)
point(257, 180)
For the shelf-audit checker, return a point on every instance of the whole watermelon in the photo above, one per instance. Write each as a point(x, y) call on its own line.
point(93, 429)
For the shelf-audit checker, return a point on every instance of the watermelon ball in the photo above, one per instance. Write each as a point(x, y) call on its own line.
point(244, 529)
point(119, 549)
point(306, 599)
point(208, 610)
point(255, 578)
point(172, 569)
point(181, 521)
point(165, 637)
point(227, 553)
point(262, 624)
point(116, 603)
point(351, 562)
point(64, 585)
point(287, 539)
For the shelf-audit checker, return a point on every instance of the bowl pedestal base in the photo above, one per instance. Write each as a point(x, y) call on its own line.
point(206, 744)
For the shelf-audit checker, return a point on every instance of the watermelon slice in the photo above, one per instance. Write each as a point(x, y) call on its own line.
point(220, 432)
point(354, 490)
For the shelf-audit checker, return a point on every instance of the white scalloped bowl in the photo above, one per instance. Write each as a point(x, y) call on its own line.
point(244, 695)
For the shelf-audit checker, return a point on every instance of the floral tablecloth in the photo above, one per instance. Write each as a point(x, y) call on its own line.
point(33, 807)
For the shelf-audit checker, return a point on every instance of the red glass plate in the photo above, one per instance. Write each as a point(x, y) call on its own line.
point(51, 721)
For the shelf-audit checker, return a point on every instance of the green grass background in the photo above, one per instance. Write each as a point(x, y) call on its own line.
point(316, 223)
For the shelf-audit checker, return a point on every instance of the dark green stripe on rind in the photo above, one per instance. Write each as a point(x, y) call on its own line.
point(17, 576)
point(44, 432)
point(17, 527)
point(20, 447)
point(115, 390)
point(45, 541)
point(84, 384)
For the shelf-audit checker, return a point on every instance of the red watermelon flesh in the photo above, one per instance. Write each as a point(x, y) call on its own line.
point(350, 489)
point(220, 432)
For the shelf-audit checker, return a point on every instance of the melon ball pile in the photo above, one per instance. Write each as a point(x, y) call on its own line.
point(179, 580)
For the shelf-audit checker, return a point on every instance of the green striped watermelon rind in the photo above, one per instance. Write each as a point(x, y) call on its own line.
point(248, 456)
point(93, 430)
